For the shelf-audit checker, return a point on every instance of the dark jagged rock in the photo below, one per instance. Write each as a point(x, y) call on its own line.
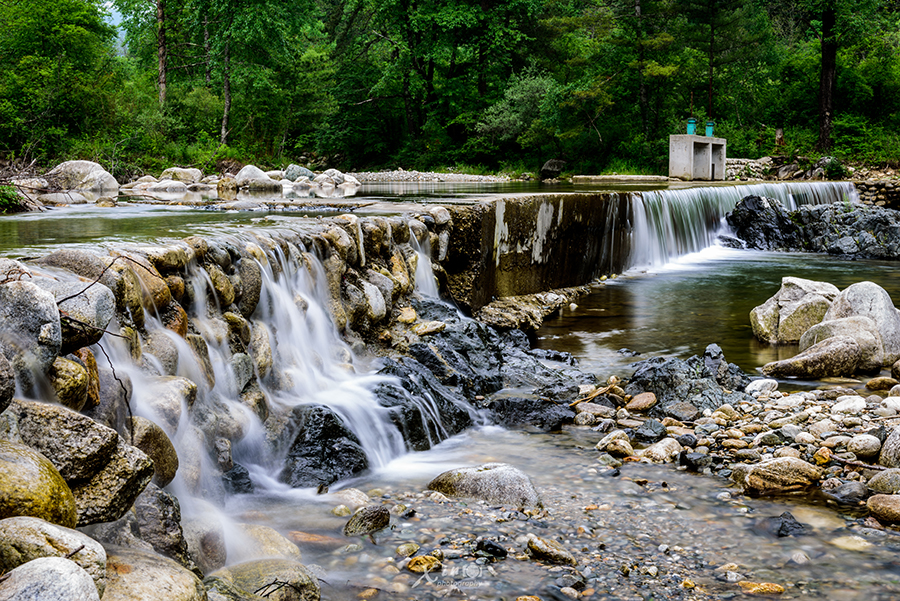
point(408, 397)
point(706, 382)
point(694, 462)
point(848, 493)
point(552, 169)
point(491, 548)
point(763, 224)
point(651, 431)
point(841, 228)
point(517, 411)
point(367, 520)
point(324, 451)
point(780, 526)
point(237, 480)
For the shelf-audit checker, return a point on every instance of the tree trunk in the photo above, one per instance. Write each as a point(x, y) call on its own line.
point(161, 49)
point(206, 50)
point(712, 44)
point(226, 93)
point(827, 79)
point(642, 84)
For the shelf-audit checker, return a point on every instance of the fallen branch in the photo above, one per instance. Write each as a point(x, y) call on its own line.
point(866, 466)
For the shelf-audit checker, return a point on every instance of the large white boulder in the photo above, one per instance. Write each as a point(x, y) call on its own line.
point(82, 175)
point(797, 306)
point(870, 300)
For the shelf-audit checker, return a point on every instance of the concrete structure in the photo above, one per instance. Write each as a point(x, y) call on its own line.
point(696, 157)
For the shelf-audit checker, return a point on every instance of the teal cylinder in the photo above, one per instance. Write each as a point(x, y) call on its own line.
point(692, 126)
point(709, 128)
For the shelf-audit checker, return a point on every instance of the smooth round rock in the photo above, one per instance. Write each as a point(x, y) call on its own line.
point(881, 383)
point(885, 507)
point(864, 445)
point(31, 486)
point(367, 520)
point(259, 577)
point(155, 443)
point(48, 579)
point(24, 539)
point(135, 575)
point(491, 482)
point(263, 541)
point(550, 551)
point(641, 402)
point(69, 380)
point(886, 482)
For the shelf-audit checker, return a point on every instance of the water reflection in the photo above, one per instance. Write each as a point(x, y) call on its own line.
point(698, 300)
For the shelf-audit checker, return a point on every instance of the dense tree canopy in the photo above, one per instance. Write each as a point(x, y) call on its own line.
point(495, 84)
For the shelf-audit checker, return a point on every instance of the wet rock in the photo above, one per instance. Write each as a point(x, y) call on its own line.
point(324, 450)
point(294, 171)
point(491, 482)
point(259, 578)
point(407, 549)
point(32, 315)
point(552, 169)
point(706, 382)
point(23, 539)
point(871, 300)
point(549, 551)
point(180, 174)
point(664, 451)
point(262, 541)
point(650, 431)
point(86, 309)
point(108, 494)
point(513, 411)
point(762, 385)
point(253, 178)
point(237, 480)
point(886, 482)
point(69, 380)
point(861, 329)
point(49, 579)
point(7, 383)
point(885, 507)
point(763, 224)
point(367, 520)
point(424, 564)
point(251, 286)
point(836, 356)
point(31, 486)
point(797, 306)
point(79, 447)
point(169, 396)
point(113, 401)
point(205, 537)
point(848, 493)
point(412, 382)
point(491, 548)
point(135, 575)
point(694, 462)
point(776, 475)
point(641, 402)
point(780, 526)
point(153, 441)
point(152, 524)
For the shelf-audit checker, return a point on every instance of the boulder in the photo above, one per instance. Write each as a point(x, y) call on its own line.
point(153, 441)
point(783, 474)
point(114, 392)
point(48, 579)
point(886, 482)
point(77, 446)
point(135, 575)
point(552, 169)
point(152, 524)
point(167, 185)
point(179, 174)
point(664, 451)
point(862, 329)
point(798, 305)
point(835, 356)
point(32, 315)
point(763, 224)
point(324, 450)
point(336, 176)
point(254, 179)
point(550, 551)
point(23, 539)
point(890, 450)
point(69, 380)
point(491, 482)
point(205, 536)
point(170, 396)
point(543, 413)
point(31, 486)
point(260, 578)
point(868, 299)
point(82, 175)
point(885, 508)
point(295, 171)
point(110, 493)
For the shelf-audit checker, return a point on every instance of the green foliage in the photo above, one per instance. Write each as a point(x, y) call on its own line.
point(9, 200)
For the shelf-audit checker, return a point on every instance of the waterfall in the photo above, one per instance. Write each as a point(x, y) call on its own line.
point(426, 284)
point(667, 224)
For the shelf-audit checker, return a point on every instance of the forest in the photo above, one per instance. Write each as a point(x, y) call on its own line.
point(477, 85)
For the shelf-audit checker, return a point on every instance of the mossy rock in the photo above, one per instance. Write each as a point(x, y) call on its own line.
point(31, 486)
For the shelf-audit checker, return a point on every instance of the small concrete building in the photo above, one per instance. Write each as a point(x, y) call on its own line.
point(696, 157)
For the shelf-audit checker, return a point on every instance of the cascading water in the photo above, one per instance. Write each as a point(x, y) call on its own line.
point(426, 285)
point(667, 224)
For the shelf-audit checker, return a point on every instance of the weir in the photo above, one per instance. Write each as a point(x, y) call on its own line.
point(525, 245)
